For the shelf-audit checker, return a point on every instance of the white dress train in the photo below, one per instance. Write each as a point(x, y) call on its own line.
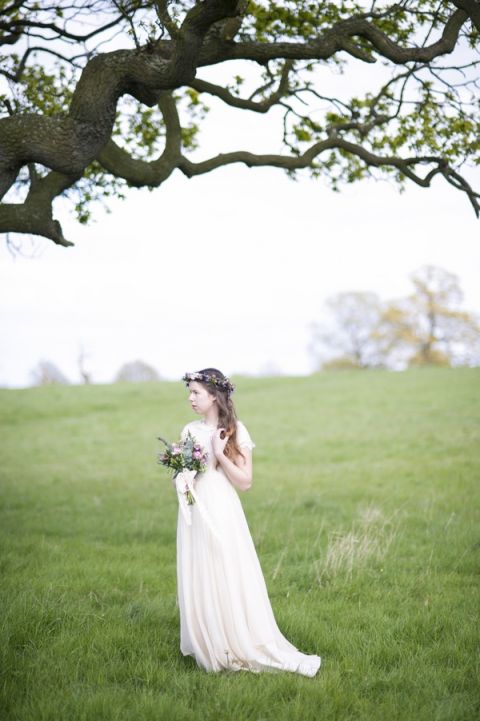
point(226, 619)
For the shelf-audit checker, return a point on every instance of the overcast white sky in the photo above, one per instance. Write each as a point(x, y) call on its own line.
point(226, 270)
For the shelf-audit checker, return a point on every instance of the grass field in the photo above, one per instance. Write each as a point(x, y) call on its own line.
point(364, 510)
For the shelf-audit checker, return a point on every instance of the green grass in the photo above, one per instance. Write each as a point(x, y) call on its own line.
point(364, 510)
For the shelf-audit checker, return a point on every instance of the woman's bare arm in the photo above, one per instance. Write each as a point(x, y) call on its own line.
point(238, 473)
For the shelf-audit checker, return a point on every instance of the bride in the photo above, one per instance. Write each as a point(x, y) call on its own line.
point(226, 619)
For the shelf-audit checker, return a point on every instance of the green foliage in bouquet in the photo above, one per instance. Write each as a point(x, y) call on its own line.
point(187, 455)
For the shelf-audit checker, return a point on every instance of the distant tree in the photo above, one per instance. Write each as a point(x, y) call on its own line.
point(429, 327)
point(136, 371)
point(47, 373)
point(85, 375)
point(341, 363)
point(356, 315)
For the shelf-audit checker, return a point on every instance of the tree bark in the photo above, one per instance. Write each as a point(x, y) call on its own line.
point(67, 144)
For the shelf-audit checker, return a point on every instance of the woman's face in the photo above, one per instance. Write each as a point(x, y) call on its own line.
point(199, 398)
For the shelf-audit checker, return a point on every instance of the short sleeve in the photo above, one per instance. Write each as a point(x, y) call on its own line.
point(243, 437)
point(184, 432)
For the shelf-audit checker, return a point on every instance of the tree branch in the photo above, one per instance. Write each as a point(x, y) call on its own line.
point(262, 106)
point(161, 8)
point(21, 66)
point(290, 162)
point(338, 38)
point(189, 40)
point(35, 215)
point(17, 26)
point(139, 173)
point(68, 144)
point(472, 8)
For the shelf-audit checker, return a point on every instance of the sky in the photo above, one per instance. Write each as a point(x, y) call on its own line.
point(229, 269)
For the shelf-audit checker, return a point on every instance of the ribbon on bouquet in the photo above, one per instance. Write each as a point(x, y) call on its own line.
point(183, 483)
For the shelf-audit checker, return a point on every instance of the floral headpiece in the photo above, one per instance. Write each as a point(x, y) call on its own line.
point(223, 383)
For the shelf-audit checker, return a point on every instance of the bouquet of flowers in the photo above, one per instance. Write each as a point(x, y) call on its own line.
point(187, 455)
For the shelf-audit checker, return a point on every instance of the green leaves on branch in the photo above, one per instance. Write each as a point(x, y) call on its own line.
point(341, 82)
point(275, 21)
point(96, 186)
point(40, 90)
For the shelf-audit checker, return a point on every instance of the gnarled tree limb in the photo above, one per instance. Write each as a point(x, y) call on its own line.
point(339, 37)
point(35, 215)
point(68, 143)
point(139, 173)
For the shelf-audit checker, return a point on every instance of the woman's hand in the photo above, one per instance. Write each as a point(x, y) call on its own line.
point(218, 443)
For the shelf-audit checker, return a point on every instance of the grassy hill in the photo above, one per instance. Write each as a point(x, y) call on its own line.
point(364, 511)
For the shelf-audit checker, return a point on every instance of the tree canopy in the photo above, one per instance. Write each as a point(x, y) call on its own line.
point(104, 94)
point(427, 327)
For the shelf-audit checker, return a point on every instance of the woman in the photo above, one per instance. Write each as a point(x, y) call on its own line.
point(226, 619)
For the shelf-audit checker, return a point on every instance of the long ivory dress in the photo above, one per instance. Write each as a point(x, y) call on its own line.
point(226, 619)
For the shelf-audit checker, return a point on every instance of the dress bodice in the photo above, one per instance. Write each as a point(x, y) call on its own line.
point(203, 432)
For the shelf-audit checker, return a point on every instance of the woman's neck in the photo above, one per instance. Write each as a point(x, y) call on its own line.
point(211, 417)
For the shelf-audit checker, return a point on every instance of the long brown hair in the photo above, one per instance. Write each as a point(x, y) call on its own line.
point(227, 417)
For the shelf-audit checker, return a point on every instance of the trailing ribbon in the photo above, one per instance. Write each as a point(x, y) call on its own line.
point(183, 483)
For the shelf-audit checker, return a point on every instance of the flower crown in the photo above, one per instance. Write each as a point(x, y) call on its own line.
point(223, 383)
